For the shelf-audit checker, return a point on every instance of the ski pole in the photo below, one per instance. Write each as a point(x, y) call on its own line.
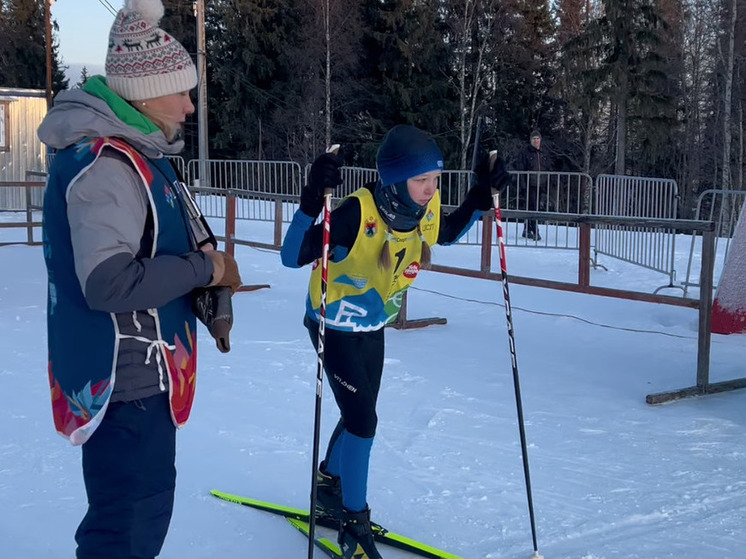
point(320, 358)
point(513, 356)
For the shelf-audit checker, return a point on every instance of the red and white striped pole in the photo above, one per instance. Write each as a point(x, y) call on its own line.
point(325, 241)
point(513, 356)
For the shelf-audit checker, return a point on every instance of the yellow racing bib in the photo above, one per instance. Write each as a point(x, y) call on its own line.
point(361, 295)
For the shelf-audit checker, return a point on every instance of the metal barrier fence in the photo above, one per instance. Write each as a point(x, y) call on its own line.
point(453, 184)
point(724, 208)
point(549, 193)
point(178, 162)
point(639, 197)
point(557, 192)
point(353, 178)
point(275, 177)
point(546, 192)
point(554, 192)
point(529, 192)
point(15, 198)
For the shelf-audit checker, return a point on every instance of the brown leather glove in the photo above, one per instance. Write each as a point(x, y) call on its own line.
point(225, 271)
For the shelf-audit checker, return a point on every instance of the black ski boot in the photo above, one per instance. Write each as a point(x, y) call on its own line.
point(328, 495)
point(355, 536)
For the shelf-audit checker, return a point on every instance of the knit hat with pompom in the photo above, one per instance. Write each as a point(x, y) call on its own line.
point(143, 61)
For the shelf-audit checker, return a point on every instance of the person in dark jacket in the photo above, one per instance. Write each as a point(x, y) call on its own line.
point(535, 160)
point(380, 239)
point(122, 262)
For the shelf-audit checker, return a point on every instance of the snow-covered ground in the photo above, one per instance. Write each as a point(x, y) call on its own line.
point(612, 477)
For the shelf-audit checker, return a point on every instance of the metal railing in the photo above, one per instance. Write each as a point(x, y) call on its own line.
point(528, 191)
point(178, 162)
point(724, 208)
point(637, 197)
point(269, 177)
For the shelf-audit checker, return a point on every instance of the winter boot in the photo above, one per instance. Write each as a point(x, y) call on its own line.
point(356, 537)
point(328, 495)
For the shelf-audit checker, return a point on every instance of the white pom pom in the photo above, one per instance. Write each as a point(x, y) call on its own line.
point(150, 10)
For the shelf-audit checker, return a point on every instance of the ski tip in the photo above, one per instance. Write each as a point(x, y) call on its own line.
point(334, 148)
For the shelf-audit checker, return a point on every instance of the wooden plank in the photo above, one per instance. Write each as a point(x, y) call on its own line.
point(692, 391)
point(573, 287)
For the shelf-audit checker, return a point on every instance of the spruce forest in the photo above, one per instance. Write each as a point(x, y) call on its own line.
point(638, 87)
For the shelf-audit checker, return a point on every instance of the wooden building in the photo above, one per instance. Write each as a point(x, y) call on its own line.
point(21, 151)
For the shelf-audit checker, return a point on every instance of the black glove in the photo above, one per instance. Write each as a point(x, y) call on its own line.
point(324, 174)
point(490, 179)
point(214, 308)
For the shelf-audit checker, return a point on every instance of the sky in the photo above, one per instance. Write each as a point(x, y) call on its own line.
point(83, 33)
point(612, 477)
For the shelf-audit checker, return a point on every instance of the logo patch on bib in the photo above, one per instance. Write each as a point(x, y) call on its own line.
point(371, 227)
point(412, 270)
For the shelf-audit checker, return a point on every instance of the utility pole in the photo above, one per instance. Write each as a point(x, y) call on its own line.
point(48, 39)
point(199, 12)
point(328, 78)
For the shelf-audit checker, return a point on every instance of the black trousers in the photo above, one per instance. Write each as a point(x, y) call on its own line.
point(130, 475)
point(353, 362)
point(532, 205)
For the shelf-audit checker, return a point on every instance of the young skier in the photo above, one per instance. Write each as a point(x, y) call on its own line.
point(380, 239)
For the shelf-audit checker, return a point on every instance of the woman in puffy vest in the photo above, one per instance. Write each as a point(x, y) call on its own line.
point(122, 261)
point(380, 239)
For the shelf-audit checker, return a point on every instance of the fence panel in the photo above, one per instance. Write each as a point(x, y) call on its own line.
point(559, 193)
point(643, 197)
point(724, 208)
point(272, 177)
point(550, 192)
point(178, 162)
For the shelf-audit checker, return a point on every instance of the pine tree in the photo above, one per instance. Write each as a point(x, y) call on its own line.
point(83, 77)
point(629, 71)
point(59, 80)
point(26, 60)
point(405, 68)
point(5, 46)
point(23, 50)
point(251, 85)
point(521, 73)
point(577, 88)
point(181, 22)
point(654, 126)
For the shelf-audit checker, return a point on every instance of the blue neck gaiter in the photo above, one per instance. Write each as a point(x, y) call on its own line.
point(396, 206)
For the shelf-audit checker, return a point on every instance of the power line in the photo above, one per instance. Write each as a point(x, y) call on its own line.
point(108, 6)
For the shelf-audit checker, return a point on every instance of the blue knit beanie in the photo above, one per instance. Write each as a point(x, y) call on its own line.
point(407, 152)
